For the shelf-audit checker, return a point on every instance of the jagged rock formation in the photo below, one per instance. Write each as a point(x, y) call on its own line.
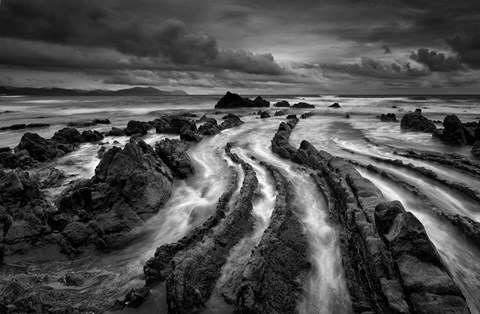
point(173, 154)
point(303, 105)
point(383, 268)
point(455, 132)
point(415, 121)
point(282, 103)
point(389, 117)
point(231, 100)
point(272, 280)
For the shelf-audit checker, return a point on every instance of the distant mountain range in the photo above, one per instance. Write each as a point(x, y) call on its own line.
point(135, 91)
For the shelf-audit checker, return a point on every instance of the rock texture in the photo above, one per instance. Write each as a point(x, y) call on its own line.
point(282, 103)
point(303, 105)
point(415, 121)
point(173, 154)
point(389, 117)
point(273, 278)
point(383, 267)
point(455, 132)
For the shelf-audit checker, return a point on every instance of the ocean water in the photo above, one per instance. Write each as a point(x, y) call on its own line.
point(193, 200)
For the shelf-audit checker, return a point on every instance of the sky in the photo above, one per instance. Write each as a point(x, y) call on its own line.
point(245, 46)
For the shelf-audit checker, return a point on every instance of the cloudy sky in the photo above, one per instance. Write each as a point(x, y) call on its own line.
point(247, 46)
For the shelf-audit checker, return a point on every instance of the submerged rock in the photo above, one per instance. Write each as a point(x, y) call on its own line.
point(335, 105)
point(389, 117)
point(264, 115)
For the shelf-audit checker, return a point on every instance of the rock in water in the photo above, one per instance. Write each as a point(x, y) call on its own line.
point(389, 117)
point(282, 103)
point(92, 136)
point(173, 154)
point(476, 149)
point(231, 100)
point(173, 125)
point(37, 147)
point(335, 105)
point(115, 132)
point(68, 136)
point(416, 122)
point(136, 127)
point(264, 115)
point(303, 105)
point(454, 132)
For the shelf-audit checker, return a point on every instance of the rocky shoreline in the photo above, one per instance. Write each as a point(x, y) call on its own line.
point(390, 264)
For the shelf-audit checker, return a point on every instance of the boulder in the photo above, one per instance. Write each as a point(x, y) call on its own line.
point(335, 105)
point(37, 147)
point(416, 122)
point(292, 116)
point(49, 177)
point(67, 136)
point(190, 136)
point(9, 160)
point(231, 100)
point(5, 150)
point(282, 103)
point(115, 132)
point(231, 123)
point(303, 105)
point(280, 113)
point(476, 149)
point(101, 121)
point(454, 132)
point(136, 127)
point(92, 136)
point(173, 124)
point(209, 128)
point(306, 115)
point(389, 117)
point(264, 115)
point(173, 154)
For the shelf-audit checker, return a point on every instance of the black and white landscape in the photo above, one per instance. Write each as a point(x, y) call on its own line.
point(239, 157)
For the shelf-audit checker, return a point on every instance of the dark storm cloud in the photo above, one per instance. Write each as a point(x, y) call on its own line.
point(87, 24)
point(467, 45)
point(436, 62)
point(387, 49)
point(379, 69)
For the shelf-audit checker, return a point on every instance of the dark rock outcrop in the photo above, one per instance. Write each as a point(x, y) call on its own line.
point(92, 136)
point(455, 132)
point(280, 143)
point(231, 122)
point(476, 149)
point(335, 105)
point(37, 147)
point(49, 177)
point(191, 136)
point(137, 127)
point(415, 121)
point(25, 126)
point(292, 116)
point(115, 132)
point(306, 115)
point(303, 105)
point(382, 273)
point(264, 115)
point(280, 113)
point(389, 117)
point(231, 100)
point(130, 185)
point(282, 103)
point(173, 154)
point(273, 278)
point(427, 282)
point(209, 128)
point(69, 136)
point(174, 124)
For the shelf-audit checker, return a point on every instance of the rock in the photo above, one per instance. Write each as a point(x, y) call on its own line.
point(190, 136)
point(101, 121)
point(101, 151)
point(130, 185)
point(9, 160)
point(282, 103)
point(204, 118)
point(80, 124)
point(280, 113)
point(280, 144)
point(264, 115)
point(67, 136)
point(73, 279)
point(455, 132)
point(115, 132)
point(416, 122)
point(231, 100)
point(136, 297)
point(303, 105)
point(49, 177)
point(347, 116)
point(25, 126)
point(231, 115)
point(208, 128)
point(427, 282)
point(292, 116)
point(335, 105)
point(231, 122)
point(476, 149)
point(92, 136)
point(5, 150)
point(37, 147)
point(306, 115)
point(174, 125)
point(173, 154)
point(260, 102)
point(136, 127)
point(389, 117)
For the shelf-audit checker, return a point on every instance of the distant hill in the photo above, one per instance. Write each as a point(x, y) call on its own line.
point(135, 91)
